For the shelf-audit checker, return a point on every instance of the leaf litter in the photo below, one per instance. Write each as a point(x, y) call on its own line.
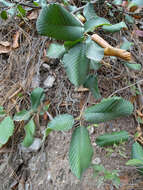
point(21, 55)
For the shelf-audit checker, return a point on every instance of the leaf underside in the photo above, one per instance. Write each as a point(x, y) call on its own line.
point(81, 151)
point(6, 130)
point(36, 97)
point(61, 122)
point(108, 109)
point(76, 64)
point(92, 84)
point(30, 131)
point(137, 153)
point(115, 27)
point(112, 138)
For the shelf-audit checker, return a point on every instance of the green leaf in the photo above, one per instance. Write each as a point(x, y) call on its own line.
point(140, 120)
point(71, 8)
point(70, 44)
point(126, 45)
point(30, 132)
point(62, 122)
point(94, 51)
point(76, 64)
point(55, 50)
point(6, 130)
point(56, 22)
point(97, 169)
point(12, 11)
point(116, 181)
point(80, 152)
point(21, 10)
point(115, 27)
point(93, 23)
point(36, 98)
point(46, 133)
point(129, 19)
point(36, 3)
point(133, 66)
point(137, 153)
point(117, 2)
point(6, 3)
point(137, 2)
point(95, 65)
point(2, 112)
point(4, 15)
point(22, 115)
point(112, 138)
point(89, 11)
point(43, 3)
point(92, 84)
point(134, 162)
point(108, 109)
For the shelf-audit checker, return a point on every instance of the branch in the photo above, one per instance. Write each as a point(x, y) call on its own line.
point(111, 51)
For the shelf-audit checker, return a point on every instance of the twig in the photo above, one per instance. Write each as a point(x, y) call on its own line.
point(126, 87)
point(111, 51)
point(15, 93)
point(49, 115)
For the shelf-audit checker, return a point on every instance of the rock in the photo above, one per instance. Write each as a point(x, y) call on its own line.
point(48, 83)
point(96, 161)
point(49, 177)
point(91, 130)
point(20, 186)
point(34, 147)
point(46, 66)
point(27, 186)
point(94, 144)
point(43, 157)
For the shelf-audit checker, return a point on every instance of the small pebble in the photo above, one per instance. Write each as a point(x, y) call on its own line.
point(96, 161)
point(48, 83)
point(34, 147)
point(49, 177)
point(94, 144)
point(46, 66)
point(91, 130)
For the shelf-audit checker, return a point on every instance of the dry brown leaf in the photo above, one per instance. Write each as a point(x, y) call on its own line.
point(111, 51)
point(4, 49)
point(133, 99)
point(33, 15)
point(124, 4)
point(82, 89)
point(81, 18)
point(139, 113)
point(124, 179)
point(5, 43)
point(133, 8)
point(140, 101)
point(139, 33)
point(15, 40)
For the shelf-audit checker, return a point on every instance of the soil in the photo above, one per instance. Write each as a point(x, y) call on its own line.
point(26, 68)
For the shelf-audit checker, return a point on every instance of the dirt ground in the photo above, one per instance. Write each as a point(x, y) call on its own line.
point(26, 68)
